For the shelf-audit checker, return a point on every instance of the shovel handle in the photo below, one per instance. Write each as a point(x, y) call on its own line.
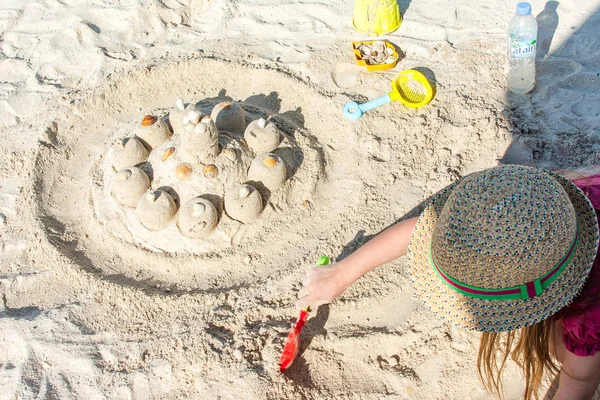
point(353, 111)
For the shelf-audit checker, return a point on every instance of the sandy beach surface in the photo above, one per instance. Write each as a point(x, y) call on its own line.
point(94, 306)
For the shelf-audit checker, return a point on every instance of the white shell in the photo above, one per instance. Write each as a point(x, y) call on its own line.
point(179, 104)
point(128, 153)
point(154, 135)
point(128, 185)
point(229, 116)
point(262, 139)
point(390, 60)
point(177, 115)
point(244, 192)
point(243, 209)
point(271, 177)
point(365, 50)
point(192, 116)
point(197, 219)
point(389, 51)
point(156, 209)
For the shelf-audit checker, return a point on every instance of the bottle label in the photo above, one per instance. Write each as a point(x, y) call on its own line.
point(522, 48)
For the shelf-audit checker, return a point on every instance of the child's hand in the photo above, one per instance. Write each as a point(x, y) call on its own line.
point(322, 285)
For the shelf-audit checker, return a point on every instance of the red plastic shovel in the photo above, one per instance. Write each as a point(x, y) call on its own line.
point(292, 344)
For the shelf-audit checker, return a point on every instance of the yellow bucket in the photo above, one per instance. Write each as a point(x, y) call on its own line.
point(376, 17)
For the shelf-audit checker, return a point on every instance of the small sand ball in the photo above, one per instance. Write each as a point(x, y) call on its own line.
point(156, 209)
point(229, 116)
point(243, 203)
point(153, 131)
point(128, 185)
point(268, 169)
point(128, 153)
point(197, 218)
point(262, 136)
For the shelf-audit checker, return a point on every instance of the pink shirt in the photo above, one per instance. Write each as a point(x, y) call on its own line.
point(581, 318)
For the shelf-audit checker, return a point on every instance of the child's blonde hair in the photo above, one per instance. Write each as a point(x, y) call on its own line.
point(528, 347)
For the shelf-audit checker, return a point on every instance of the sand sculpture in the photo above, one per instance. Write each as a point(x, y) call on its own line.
point(129, 185)
point(262, 136)
point(197, 218)
point(229, 116)
point(243, 203)
point(155, 209)
point(128, 153)
point(153, 131)
point(207, 169)
point(269, 170)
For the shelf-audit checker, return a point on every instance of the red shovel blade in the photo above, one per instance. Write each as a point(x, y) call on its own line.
point(292, 344)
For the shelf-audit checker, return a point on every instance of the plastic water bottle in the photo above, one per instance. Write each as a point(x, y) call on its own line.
point(522, 43)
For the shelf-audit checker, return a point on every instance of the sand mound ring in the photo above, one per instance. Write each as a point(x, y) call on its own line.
point(86, 222)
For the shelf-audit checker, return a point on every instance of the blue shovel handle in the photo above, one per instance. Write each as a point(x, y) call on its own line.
point(353, 111)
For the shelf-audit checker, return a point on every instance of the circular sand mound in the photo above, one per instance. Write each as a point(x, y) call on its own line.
point(86, 219)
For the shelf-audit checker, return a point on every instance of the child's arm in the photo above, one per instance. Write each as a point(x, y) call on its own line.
point(579, 377)
point(323, 284)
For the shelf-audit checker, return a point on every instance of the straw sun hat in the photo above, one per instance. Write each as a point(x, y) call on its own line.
point(503, 248)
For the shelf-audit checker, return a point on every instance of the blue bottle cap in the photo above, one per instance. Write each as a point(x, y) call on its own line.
point(523, 8)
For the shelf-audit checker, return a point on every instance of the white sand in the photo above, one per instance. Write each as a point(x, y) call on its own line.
point(88, 314)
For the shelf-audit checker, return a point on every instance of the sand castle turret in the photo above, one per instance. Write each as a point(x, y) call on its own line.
point(128, 185)
point(156, 209)
point(262, 136)
point(197, 218)
point(201, 140)
point(153, 131)
point(181, 115)
point(243, 203)
point(269, 170)
point(229, 116)
point(128, 153)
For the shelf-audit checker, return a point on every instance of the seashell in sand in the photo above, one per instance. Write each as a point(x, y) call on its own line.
point(183, 171)
point(229, 116)
point(128, 153)
point(390, 60)
point(202, 142)
point(128, 185)
point(244, 192)
point(149, 120)
point(168, 153)
point(197, 219)
point(365, 50)
point(230, 154)
point(262, 136)
point(154, 134)
point(156, 209)
point(378, 46)
point(243, 203)
point(268, 169)
point(211, 171)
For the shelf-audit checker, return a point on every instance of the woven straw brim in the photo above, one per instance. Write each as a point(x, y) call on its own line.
point(501, 315)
